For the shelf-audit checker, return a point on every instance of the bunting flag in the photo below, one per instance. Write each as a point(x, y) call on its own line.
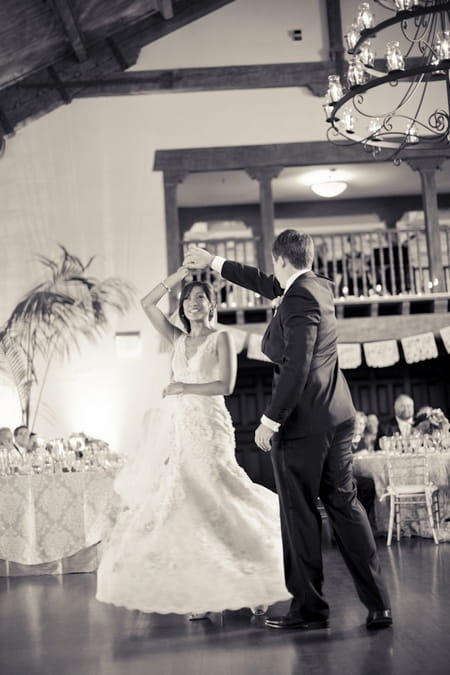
point(254, 348)
point(349, 355)
point(419, 347)
point(381, 354)
point(445, 335)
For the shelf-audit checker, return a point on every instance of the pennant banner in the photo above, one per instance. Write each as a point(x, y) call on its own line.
point(445, 335)
point(349, 355)
point(381, 354)
point(419, 347)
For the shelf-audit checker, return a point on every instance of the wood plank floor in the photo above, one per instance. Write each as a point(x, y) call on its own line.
point(54, 626)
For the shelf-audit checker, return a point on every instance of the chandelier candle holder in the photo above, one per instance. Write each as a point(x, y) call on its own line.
point(397, 89)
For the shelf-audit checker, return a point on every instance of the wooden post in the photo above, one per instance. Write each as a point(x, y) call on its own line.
point(264, 175)
point(427, 168)
point(336, 49)
point(173, 236)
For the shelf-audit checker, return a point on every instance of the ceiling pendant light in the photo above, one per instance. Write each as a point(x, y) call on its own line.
point(329, 189)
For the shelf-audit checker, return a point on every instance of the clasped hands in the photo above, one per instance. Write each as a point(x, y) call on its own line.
point(197, 258)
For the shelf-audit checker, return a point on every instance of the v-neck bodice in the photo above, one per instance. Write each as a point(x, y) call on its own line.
point(202, 366)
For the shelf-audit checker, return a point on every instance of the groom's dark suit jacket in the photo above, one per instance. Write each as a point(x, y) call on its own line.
point(309, 393)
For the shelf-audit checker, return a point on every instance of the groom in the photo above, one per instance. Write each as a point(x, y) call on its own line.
point(308, 426)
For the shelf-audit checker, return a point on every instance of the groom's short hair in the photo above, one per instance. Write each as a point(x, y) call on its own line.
point(296, 247)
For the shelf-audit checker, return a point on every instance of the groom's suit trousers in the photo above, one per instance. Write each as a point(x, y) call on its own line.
point(321, 465)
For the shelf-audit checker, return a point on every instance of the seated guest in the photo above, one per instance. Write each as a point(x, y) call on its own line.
point(402, 421)
point(21, 439)
point(6, 438)
point(365, 431)
point(358, 442)
point(7, 442)
point(32, 442)
point(371, 431)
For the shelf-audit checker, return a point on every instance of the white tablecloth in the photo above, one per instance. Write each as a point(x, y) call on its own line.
point(47, 517)
point(374, 465)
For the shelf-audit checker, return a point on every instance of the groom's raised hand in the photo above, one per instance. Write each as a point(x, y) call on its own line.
point(197, 258)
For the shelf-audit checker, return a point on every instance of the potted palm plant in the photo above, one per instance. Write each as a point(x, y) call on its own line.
point(50, 320)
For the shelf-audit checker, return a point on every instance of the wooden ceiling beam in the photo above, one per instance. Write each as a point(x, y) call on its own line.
point(165, 8)
point(334, 27)
point(282, 154)
point(312, 75)
point(64, 10)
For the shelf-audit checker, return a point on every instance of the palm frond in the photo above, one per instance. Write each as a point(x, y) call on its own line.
point(37, 307)
point(14, 362)
point(52, 317)
point(51, 264)
point(71, 264)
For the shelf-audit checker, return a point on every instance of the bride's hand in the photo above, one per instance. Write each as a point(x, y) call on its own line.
point(175, 278)
point(183, 271)
point(173, 389)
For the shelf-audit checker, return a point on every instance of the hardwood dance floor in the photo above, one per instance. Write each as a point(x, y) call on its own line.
point(54, 626)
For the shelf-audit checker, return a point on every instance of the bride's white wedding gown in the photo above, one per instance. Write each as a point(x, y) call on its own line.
point(198, 535)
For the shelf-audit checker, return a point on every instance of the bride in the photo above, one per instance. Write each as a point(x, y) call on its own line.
point(198, 535)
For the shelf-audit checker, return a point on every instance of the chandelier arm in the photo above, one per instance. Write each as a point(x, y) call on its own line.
point(447, 87)
point(358, 102)
point(390, 77)
point(398, 18)
point(422, 28)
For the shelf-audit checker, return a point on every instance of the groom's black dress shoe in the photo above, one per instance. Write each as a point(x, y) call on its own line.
point(379, 618)
point(296, 623)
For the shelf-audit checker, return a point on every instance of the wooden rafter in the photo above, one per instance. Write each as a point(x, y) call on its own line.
point(165, 8)
point(312, 75)
point(281, 154)
point(335, 44)
point(64, 10)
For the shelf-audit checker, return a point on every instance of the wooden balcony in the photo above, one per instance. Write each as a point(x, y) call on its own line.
point(380, 272)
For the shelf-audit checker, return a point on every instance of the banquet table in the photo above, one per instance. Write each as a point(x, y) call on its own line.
point(374, 465)
point(52, 522)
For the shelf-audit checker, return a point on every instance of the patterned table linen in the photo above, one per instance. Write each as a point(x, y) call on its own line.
point(47, 517)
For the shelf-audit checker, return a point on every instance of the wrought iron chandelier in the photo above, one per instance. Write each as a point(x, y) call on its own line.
point(398, 98)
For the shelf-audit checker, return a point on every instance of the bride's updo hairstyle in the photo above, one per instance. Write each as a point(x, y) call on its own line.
point(295, 246)
point(185, 293)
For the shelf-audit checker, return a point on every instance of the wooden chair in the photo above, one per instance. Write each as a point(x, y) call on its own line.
point(409, 485)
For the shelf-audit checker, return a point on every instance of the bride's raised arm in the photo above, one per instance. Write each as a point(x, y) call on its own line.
point(149, 304)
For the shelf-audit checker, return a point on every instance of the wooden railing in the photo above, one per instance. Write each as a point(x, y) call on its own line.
point(379, 263)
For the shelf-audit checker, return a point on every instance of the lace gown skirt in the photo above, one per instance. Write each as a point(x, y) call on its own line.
point(203, 537)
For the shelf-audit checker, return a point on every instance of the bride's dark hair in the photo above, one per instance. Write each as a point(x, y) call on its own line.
point(185, 293)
